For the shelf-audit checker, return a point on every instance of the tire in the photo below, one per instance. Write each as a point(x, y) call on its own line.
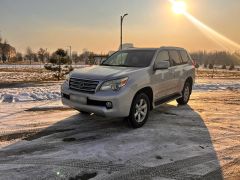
point(186, 93)
point(138, 117)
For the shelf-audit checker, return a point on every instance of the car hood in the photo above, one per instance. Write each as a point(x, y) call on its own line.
point(103, 72)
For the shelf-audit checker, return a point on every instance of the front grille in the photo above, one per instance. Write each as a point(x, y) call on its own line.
point(83, 85)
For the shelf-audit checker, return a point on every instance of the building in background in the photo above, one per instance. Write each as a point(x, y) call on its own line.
point(126, 46)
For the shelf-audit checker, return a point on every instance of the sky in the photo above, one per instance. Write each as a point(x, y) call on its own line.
point(95, 24)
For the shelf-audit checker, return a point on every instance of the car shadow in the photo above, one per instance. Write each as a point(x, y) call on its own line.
point(175, 143)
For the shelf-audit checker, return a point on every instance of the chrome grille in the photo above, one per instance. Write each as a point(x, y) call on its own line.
point(83, 85)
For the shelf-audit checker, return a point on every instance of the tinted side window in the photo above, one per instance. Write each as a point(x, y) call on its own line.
point(162, 56)
point(175, 58)
point(184, 56)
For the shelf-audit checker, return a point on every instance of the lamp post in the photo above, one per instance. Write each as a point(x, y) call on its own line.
point(121, 31)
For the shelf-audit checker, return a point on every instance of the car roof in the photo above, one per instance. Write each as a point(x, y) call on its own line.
point(138, 49)
point(163, 47)
point(172, 48)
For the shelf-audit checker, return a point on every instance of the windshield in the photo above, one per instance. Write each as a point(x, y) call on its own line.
point(130, 58)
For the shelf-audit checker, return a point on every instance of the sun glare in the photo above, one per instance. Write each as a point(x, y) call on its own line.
point(179, 7)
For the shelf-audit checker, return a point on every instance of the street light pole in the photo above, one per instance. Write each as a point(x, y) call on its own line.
point(121, 31)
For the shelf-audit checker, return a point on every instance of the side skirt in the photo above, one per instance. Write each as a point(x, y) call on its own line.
point(167, 99)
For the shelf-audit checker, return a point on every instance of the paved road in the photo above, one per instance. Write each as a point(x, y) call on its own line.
point(44, 140)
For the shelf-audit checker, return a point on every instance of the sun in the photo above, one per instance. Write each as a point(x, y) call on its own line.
point(179, 7)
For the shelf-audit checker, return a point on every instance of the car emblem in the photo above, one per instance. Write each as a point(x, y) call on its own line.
point(81, 85)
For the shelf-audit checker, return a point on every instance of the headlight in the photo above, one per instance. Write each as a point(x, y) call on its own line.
point(114, 85)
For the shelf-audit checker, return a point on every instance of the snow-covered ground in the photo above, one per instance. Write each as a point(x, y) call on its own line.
point(27, 73)
point(40, 140)
point(22, 66)
point(33, 66)
point(52, 92)
point(216, 86)
point(36, 93)
point(8, 77)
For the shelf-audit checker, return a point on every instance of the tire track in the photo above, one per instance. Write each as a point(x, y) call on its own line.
point(123, 171)
point(28, 133)
point(84, 164)
point(172, 170)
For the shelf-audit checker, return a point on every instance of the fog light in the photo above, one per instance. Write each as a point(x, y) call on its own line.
point(109, 105)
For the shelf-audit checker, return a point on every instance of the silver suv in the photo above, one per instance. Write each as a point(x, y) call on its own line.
point(131, 82)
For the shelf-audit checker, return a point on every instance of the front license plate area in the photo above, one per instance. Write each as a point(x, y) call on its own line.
point(79, 99)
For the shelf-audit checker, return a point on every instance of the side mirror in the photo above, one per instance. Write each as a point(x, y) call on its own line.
point(162, 65)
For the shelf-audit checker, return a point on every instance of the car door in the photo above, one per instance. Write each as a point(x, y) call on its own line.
point(177, 70)
point(162, 79)
point(186, 67)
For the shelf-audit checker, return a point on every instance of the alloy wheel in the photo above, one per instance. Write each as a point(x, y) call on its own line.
point(141, 110)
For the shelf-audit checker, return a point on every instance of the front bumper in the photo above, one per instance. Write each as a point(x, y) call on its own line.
point(96, 103)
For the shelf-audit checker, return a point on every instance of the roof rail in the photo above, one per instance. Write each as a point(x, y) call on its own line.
point(171, 47)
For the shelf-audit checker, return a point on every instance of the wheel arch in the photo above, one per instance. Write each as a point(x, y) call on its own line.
point(149, 92)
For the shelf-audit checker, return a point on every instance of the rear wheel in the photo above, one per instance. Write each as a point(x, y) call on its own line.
point(139, 110)
point(185, 94)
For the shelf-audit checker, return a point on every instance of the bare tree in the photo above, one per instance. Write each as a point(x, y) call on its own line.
point(42, 54)
point(218, 57)
point(19, 56)
point(29, 54)
point(74, 57)
point(5, 51)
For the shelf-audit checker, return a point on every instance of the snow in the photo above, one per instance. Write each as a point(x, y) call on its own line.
point(27, 73)
point(216, 86)
point(12, 95)
point(52, 92)
point(33, 66)
point(200, 133)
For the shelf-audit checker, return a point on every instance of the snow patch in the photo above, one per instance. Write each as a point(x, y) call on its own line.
point(216, 86)
point(12, 95)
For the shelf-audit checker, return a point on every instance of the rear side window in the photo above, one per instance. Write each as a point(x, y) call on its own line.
point(162, 56)
point(184, 56)
point(175, 58)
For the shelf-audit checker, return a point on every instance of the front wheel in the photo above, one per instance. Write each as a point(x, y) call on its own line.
point(139, 110)
point(185, 94)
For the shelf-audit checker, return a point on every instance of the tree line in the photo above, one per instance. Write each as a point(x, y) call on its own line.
point(9, 54)
point(44, 56)
point(220, 58)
